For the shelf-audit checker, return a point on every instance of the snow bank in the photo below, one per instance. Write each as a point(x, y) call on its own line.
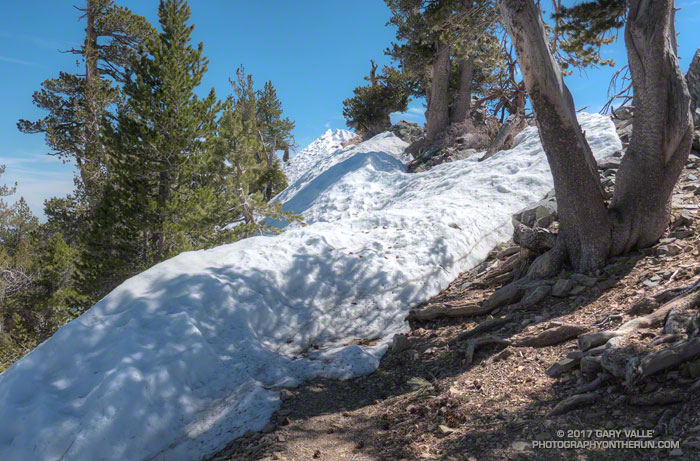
point(304, 160)
point(192, 353)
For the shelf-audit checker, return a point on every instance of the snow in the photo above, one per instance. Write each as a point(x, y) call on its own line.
point(186, 356)
point(304, 160)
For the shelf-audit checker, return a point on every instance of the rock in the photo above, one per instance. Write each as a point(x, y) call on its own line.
point(625, 133)
point(562, 288)
point(286, 394)
point(584, 279)
point(561, 367)
point(684, 219)
point(693, 80)
point(577, 290)
point(668, 250)
point(541, 214)
point(400, 343)
point(624, 113)
point(696, 118)
point(408, 131)
point(519, 445)
point(536, 239)
point(676, 452)
point(590, 364)
point(696, 141)
point(268, 427)
point(412, 354)
point(609, 163)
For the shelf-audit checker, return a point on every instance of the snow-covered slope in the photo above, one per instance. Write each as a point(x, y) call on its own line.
point(306, 158)
point(191, 353)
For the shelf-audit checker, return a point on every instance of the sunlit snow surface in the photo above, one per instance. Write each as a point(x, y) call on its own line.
point(191, 353)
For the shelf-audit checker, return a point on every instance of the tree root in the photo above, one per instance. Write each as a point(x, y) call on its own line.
point(474, 344)
point(485, 326)
point(551, 336)
point(448, 310)
point(656, 318)
point(573, 402)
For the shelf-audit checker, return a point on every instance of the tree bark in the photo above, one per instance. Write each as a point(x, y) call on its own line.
point(463, 98)
point(438, 104)
point(584, 226)
point(662, 132)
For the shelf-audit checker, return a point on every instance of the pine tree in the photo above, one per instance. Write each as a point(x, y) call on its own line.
point(276, 135)
point(78, 104)
point(239, 144)
point(367, 112)
point(159, 148)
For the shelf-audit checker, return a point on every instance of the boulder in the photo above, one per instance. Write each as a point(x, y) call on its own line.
point(562, 288)
point(541, 214)
point(693, 80)
point(408, 131)
point(696, 117)
point(624, 113)
point(696, 141)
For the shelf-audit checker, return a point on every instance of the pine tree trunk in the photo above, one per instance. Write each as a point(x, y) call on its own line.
point(438, 105)
point(585, 232)
point(662, 132)
point(463, 98)
point(89, 170)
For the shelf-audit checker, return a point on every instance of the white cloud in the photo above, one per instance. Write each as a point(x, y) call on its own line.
point(17, 61)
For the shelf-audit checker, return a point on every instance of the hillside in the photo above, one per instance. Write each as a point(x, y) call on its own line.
point(195, 351)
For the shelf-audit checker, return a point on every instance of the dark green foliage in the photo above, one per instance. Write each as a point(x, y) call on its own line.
point(161, 170)
point(276, 135)
point(368, 111)
point(36, 285)
point(581, 31)
point(156, 205)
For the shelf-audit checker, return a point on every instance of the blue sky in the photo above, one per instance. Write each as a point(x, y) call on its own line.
point(314, 51)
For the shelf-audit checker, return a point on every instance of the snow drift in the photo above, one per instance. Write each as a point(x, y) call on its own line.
point(192, 353)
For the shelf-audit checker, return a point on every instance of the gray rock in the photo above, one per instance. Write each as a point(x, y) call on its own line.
point(609, 163)
point(696, 141)
point(693, 80)
point(562, 288)
point(696, 118)
point(535, 239)
point(408, 131)
point(400, 343)
point(624, 113)
point(541, 214)
point(584, 279)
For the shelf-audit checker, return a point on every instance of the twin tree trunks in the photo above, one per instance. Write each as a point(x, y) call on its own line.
point(441, 111)
point(591, 232)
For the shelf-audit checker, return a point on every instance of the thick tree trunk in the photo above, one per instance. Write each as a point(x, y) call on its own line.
point(584, 226)
point(89, 171)
point(662, 132)
point(438, 104)
point(463, 98)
